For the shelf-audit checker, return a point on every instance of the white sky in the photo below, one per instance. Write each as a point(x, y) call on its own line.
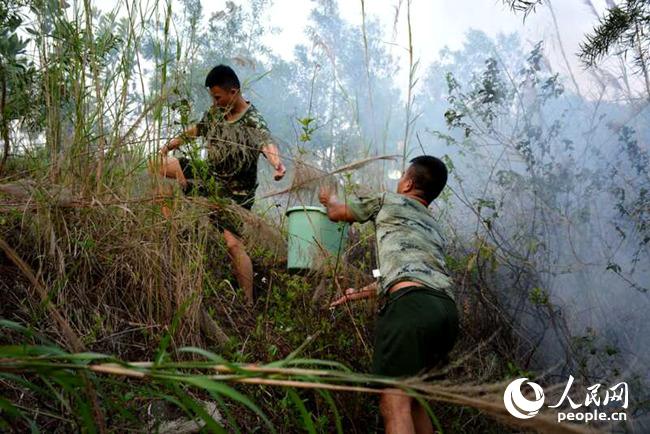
point(439, 23)
point(436, 24)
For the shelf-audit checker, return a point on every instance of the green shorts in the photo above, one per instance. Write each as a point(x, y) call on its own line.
point(415, 330)
point(226, 220)
point(243, 196)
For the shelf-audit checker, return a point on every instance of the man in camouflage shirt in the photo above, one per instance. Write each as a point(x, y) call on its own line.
point(233, 150)
point(235, 134)
point(417, 324)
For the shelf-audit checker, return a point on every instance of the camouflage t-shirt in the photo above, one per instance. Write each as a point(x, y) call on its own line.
point(233, 147)
point(409, 242)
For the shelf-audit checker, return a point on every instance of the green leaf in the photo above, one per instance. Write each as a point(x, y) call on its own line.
point(205, 353)
point(232, 423)
point(431, 414)
point(337, 417)
point(82, 357)
point(18, 351)
point(221, 389)
point(187, 403)
point(310, 363)
point(16, 327)
point(306, 415)
point(9, 408)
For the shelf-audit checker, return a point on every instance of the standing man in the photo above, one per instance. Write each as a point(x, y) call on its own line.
point(417, 324)
point(235, 134)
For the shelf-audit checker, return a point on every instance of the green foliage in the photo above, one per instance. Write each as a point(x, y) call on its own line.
point(514, 371)
point(16, 73)
point(307, 128)
point(61, 388)
point(594, 352)
point(624, 28)
point(538, 296)
point(133, 282)
point(630, 186)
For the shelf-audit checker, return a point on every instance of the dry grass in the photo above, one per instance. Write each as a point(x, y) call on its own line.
point(120, 256)
point(485, 397)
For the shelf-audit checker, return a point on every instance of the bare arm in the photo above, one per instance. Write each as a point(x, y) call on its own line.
point(369, 291)
point(336, 211)
point(270, 151)
point(177, 141)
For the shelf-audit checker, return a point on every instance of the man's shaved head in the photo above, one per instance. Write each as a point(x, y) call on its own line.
point(429, 176)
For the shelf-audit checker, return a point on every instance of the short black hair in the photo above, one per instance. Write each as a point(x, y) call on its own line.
point(429, 175)
point(222, 76)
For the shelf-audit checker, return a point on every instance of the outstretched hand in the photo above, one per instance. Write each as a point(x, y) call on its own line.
point(349, 295)
point(325, 193)
point(280, 170)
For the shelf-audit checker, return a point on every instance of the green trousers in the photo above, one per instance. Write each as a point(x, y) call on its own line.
point(415, 330)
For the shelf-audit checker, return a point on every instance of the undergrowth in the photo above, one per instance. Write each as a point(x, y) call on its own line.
point(134, 284)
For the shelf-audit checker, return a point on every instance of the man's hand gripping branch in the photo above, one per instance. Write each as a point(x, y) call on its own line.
point(272, 155)
point(352, 294)
point(336, 211)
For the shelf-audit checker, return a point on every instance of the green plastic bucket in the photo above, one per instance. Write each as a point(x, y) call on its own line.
point(312, 237)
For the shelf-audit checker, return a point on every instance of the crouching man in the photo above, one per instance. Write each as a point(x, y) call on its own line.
point(235, 134)
point(417, 324)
